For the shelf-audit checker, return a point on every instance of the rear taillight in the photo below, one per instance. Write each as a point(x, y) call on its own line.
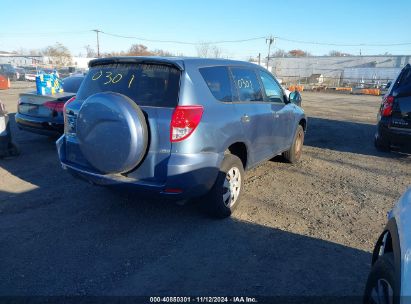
point(184, 121)
point(386, 108)
point(69, 122)
point(68, 102)
point(54, 106)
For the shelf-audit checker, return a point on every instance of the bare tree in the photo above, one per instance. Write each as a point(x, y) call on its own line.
point(139, 50)
point(90, 52)
point(58, 54)
point(34, 52)
point(203, 50)
point(280, 53)
point(216, 52)
point(158, 52)
point(298, 53)
point(335, 53)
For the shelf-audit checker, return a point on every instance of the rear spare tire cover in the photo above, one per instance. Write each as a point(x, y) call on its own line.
point(112, 132)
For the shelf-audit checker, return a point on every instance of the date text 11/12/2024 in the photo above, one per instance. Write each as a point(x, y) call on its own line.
point(203, 300)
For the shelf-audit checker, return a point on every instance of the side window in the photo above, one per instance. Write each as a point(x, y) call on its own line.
point(247, 84)
point(272, 89)
point(218, 81)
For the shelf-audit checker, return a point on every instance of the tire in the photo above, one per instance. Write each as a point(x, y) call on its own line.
point(381, 144)
point(293, 155)
point(381, 284)
point(218, 204)
point(13, 150)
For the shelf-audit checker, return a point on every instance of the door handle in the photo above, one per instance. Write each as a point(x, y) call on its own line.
point(275, 114)
point(245, 118)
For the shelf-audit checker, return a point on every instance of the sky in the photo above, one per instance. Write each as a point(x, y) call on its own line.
point(29, 25)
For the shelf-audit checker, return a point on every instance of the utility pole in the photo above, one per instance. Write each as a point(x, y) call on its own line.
point(98, 43)
point(259, 58)
point(270, 41)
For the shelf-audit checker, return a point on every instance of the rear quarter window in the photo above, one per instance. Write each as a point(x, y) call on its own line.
point(218, 81)
point(247, 84)
point(146, 84)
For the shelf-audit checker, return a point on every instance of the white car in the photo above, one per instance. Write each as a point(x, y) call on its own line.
point(389, 280)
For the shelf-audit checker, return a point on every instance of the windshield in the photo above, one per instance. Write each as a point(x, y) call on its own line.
point(146, 84)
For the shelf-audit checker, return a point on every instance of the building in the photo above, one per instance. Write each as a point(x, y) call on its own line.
point(39, 60)
point(316, 78)
point(339, 70)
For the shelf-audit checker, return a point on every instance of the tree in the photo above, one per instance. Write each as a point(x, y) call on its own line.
point(158, 52)
point(216, 52)
point(58, 54)
point(279, 53)
point(203, 50)
point(298, 53)
point(34, 52)
point(139, 50)
point(90, 52)
point(335, 53)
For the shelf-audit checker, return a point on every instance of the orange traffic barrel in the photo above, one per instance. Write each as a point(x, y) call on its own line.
point(4, 82)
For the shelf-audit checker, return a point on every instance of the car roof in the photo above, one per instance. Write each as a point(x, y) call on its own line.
point(178, 62)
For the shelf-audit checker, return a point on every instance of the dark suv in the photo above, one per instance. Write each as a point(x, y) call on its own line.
point(9, 71)
point(394, 116)
point(179, 127)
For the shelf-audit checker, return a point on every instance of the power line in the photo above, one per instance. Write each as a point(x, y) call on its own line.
point(44, 33)
point(183, 42)
point(209, 42)
point(342, 44)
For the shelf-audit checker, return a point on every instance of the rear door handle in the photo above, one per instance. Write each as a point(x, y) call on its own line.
point(245, 118)
point(275, 114)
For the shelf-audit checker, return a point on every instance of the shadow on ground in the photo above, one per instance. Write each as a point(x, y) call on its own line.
point(66, 237)
point(344, 136)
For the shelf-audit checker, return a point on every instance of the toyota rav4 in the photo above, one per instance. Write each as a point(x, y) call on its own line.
point(179, 127)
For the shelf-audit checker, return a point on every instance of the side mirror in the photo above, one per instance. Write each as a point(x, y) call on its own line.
point(295, 98)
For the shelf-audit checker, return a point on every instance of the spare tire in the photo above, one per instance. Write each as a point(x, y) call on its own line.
point(112, 132)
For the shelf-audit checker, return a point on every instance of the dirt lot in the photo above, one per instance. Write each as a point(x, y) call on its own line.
point(306, 229)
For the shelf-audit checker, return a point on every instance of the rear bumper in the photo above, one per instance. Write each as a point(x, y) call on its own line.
point(396, 136)
point(39, 125)
point(192, 174)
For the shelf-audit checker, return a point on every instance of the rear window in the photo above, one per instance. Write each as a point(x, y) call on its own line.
point(146, 84)
point(72, 84)
point(218, 81)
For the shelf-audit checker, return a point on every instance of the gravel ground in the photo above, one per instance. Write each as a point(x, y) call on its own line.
point(301, 230)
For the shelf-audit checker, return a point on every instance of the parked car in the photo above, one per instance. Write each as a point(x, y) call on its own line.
point(21, 73)
point(9, 71)
point(179, 127)
point(30, 73)
point(389, 280)
point(43, 114)
point(394, 116)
